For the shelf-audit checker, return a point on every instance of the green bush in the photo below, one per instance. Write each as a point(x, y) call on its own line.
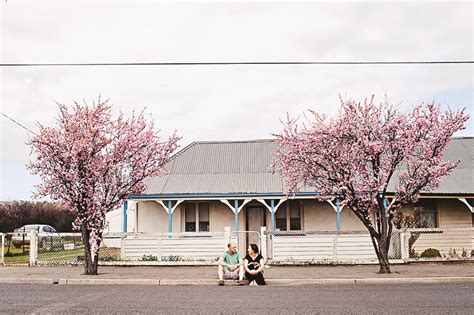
point(149, 258)
point(172, 258)
point(430, 253)
point(108, 258)
point(414, 254)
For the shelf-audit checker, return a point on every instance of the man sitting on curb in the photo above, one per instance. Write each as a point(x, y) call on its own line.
point(231, 266)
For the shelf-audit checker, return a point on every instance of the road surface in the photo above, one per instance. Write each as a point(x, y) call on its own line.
point(391, 299)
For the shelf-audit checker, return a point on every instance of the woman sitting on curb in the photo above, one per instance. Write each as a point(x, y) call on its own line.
point(254, 264)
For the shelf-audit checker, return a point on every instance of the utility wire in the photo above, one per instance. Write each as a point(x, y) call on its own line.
point(236, 63)
point(19, 124)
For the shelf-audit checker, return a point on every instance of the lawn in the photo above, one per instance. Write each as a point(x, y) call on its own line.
point(69, 255)
point(77, 254)
point(16, 255)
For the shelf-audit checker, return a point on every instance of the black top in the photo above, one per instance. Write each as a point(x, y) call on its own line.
point(254, 263)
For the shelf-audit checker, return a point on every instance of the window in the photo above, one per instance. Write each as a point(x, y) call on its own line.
point(196, 217)
point(280, 218)
point(295, 215)
point(204, 217)
point(428, 214)
point(288, 216)
point(190, 217)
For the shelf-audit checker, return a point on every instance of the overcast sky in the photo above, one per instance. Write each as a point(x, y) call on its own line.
point(223, 102)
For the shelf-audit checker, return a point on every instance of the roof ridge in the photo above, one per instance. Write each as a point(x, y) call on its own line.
point(182, 150)
point(236, 141)
point(263, 140)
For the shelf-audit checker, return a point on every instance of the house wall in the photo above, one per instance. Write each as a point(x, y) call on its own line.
point(316, 216)
point(452, 214)
point(222, 216)
point(114, 219)
point(320, 216)
point(152, 217)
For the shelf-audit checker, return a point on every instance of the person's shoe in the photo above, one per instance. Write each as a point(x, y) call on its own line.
point(221, 282)
point(242, 282)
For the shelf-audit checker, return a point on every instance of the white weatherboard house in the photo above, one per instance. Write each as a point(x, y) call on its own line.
point(214, 185)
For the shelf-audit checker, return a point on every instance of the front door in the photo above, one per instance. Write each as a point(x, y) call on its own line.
point(255, 218)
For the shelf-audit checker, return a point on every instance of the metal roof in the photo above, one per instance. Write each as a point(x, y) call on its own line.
point(245, 167)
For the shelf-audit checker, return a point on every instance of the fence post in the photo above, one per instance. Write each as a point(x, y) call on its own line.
point(33, 247)
point(226, 236)
point(334, 246)
point(404, 246)
point(3, 248)
point(160, 247)
point(263, 242)
point(122, 246)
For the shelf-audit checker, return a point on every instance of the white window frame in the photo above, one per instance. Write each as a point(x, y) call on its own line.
point(434, 210)
point(287, 215)
point(196, 208)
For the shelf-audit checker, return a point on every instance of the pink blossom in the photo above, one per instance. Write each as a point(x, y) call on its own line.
point(367, 146)
point(91, 162)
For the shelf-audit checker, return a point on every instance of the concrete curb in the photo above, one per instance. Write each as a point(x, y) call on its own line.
point(201, 282)
point(82, 281)
point(29, 281)
point(365, 281)
point(427, 280)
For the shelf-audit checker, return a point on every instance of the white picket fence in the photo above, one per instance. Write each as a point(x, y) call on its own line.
point(356, 246)
point(451, 243)
point(174, 246)
point(2, 254)
point(322, 246)
point(294, 247)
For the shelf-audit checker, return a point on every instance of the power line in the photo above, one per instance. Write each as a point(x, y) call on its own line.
point(19, 124)
point(238, 63)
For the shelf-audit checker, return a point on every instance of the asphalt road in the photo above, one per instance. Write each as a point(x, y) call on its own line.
point(413, 299)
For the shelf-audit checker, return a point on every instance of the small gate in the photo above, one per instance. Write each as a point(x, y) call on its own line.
point(244, 238)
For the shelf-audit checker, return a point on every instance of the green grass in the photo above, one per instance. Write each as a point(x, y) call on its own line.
point(109, 254)
point(60, 256)
point(16, 255)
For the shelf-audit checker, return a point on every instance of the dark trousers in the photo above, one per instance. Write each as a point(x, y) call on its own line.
point(258, 278)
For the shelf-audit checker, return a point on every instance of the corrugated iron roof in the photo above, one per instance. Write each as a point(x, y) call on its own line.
point(245, 167)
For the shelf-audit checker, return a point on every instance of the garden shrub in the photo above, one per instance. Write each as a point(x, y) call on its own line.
point(149, 258)
point(430, 253)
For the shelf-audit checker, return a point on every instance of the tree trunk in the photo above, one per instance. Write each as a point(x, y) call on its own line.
point(384, 264)
point(380, 237)
point(382, 246)
point(90, 266)
point(95, 263)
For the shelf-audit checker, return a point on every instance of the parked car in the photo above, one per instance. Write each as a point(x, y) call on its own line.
point(47, 236)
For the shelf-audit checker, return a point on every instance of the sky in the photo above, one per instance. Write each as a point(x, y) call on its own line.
point(222, 102)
